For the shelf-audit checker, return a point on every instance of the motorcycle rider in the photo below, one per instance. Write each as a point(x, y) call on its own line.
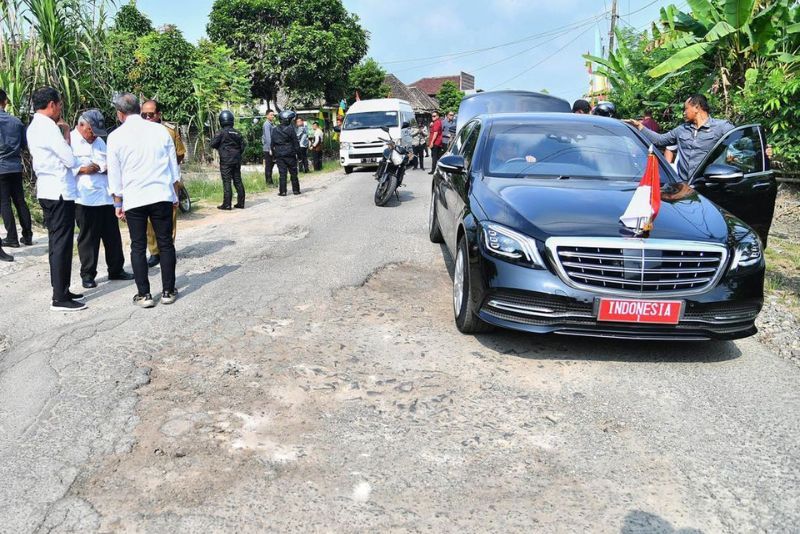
point(230, 145)
point(285, 149)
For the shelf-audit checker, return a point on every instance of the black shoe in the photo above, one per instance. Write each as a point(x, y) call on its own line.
point(168, 297)
point(154, 260)
point(67, 306)
point(10, 244)
point(430, 172)
point(88, 283)
point(295, 192)
point(5, 257)
point(75, 296)
point(281, 194)
point(122, 275)
point(239, 206)
point(27, 241)
point(144, 301)
point(224, 207)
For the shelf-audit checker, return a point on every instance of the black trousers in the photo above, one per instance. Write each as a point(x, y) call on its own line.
point(59, 218)
point(287, 163)
point(12, 192)
point(98, 223)
point(316, 158)
point(269, 164)
point(302, 159)
point(419, 152)
point(160, 215)
point(436, 153)
point(232, 173)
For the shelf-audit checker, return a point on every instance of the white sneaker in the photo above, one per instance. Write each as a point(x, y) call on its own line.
point(168, 297)
point(144, 301)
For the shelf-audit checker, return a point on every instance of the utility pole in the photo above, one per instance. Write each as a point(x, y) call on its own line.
point(614, 18)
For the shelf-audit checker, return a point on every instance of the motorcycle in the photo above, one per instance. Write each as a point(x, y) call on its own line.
point(391, 169)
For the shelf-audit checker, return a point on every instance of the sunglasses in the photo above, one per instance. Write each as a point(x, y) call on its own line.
point(149, 115)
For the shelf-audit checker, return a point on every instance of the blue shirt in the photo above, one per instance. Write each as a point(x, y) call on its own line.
point(302, 136)
point(694, 144)
point(12, 141)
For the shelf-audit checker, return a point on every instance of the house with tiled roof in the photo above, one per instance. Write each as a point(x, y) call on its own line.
point(420, 102)
point(431, 86)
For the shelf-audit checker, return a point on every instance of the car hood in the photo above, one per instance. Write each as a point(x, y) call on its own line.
point(545, 207)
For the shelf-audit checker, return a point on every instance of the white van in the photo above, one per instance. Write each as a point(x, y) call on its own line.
point(359, 143)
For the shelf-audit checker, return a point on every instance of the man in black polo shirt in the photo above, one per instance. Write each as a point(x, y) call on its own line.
point(12, 141)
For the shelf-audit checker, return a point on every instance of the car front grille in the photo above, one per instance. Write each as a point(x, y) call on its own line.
point(637, 267)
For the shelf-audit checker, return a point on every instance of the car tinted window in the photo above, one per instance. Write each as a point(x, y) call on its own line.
point(741, 149)
point(470, 144)
point(457, 145)
point(370, 119)
point(574, 149)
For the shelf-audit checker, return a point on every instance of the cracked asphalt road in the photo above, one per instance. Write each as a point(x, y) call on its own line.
point(310, 378)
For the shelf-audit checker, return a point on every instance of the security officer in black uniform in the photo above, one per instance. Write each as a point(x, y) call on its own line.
point(230, 145)
point(285, 149)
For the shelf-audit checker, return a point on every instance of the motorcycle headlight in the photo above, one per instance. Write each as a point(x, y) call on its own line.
point(511, 246)
point(345, 146)
point(397, 158)
point(748, 252)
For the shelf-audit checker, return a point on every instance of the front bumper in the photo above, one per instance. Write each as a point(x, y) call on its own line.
point(537, 300)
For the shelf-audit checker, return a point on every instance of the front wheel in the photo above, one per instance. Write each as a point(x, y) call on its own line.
point(386, 186)
point(184, 201)
point(466, 314)
point(434, 232)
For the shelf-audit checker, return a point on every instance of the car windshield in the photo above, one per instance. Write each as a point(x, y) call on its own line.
point(508, 102)
point(370, 119)
point(567, 150)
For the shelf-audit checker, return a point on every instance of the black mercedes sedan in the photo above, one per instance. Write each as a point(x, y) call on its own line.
point(528, 206)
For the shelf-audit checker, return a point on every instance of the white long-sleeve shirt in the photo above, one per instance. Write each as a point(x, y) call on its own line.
point(53, 160)
point(142, 166)
point(92, 188)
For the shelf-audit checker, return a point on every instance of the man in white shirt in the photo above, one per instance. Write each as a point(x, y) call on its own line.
point(56, 190)
point(94, 210)
point(142, 173)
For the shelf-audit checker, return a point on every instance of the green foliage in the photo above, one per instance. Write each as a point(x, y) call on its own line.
point(368, 79)
point(306, 47)
point(449, 97)
point(130, 19)
point(163, 71)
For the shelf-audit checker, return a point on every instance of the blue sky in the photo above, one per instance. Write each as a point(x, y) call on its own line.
point(452, 33)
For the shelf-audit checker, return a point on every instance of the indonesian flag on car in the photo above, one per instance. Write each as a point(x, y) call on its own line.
point(646, 201)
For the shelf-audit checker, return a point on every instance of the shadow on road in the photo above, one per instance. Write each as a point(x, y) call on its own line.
point(639, 522)
point(203, 248)
point(188, 284)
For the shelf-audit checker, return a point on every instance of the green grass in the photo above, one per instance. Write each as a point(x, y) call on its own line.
point(204, 190)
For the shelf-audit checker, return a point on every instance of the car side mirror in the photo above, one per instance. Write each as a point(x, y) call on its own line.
point(451, 163)
point(385, 129)
point(719, 172)
point(406, 124)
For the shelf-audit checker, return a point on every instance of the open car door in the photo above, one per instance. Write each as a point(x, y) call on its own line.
point(736, 176)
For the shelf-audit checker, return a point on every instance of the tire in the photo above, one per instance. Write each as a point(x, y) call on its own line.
point(348, 170)
point(467, 320)
point(385, 189)
point(434, 232)
point(184, 201)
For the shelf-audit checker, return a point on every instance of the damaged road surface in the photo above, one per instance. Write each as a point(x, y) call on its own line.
point(310, 378)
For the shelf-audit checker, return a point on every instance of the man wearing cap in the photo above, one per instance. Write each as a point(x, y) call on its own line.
point(94, 208)
point(151, 111)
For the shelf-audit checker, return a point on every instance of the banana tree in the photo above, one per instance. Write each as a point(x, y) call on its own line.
point(727, 36)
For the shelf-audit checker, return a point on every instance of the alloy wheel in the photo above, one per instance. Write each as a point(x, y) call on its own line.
point(458, 282)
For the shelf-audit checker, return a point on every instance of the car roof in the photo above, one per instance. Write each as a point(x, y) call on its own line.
point(379, 104)
point(549, 117)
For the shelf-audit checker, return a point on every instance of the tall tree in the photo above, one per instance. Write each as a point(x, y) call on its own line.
point(368, 79)
point(306, 47)
point(130, 19)
point(449, 97)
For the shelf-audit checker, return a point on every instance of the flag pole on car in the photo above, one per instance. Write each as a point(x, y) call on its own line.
point(643, 207)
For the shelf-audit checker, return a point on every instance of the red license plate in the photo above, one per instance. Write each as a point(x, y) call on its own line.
point(640, 311)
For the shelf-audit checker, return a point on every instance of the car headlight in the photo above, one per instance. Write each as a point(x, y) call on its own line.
point(748, 252)
point(510, 245)
point(345, 146)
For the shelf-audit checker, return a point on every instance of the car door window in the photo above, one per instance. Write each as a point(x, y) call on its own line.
point(458, 144)
point(470, 143)
point(741, 149)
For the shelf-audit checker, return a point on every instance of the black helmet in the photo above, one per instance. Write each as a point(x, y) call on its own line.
point(226, 118)
point(605, 109)
point(287, 116)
